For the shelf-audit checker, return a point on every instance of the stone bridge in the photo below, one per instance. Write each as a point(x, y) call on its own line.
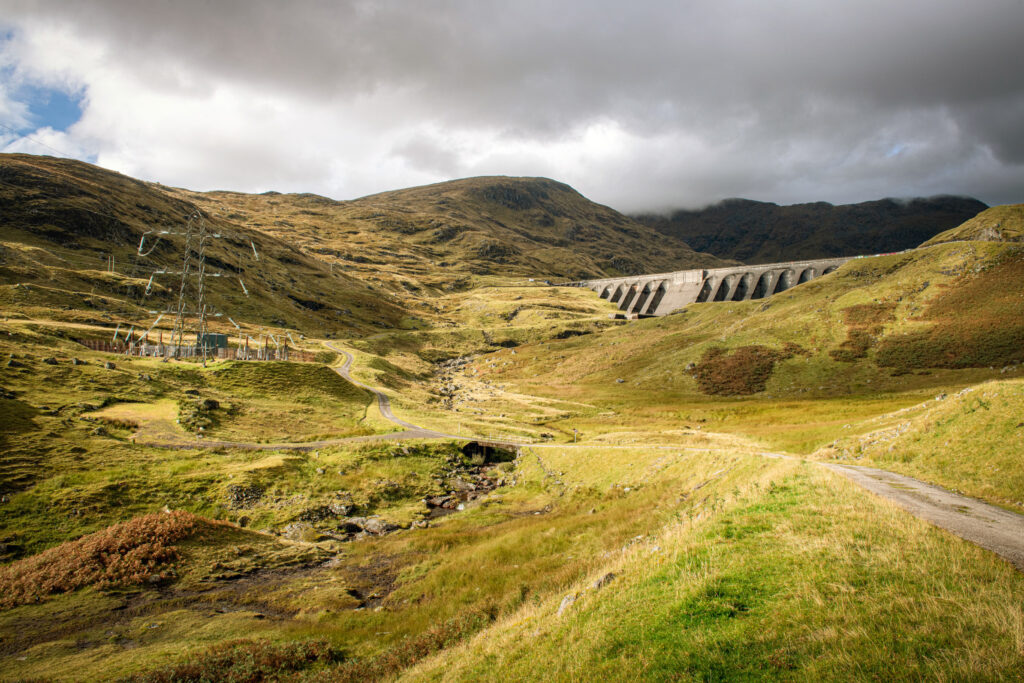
point(647, 295)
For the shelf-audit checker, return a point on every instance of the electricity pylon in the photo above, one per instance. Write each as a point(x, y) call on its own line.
point(192, 289)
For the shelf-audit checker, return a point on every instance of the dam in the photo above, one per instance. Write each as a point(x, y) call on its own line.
point(662, 293)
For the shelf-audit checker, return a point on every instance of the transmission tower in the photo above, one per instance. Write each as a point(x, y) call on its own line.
point(191, 303)
point(192, 290)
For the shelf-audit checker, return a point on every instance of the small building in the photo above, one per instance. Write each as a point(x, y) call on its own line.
point(214, 341)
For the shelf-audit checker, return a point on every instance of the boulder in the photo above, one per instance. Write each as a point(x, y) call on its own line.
point(243, 495)
point(297, 531)
point(459, 484)
point(566, 603)
point(604, 581)
point(377, 526)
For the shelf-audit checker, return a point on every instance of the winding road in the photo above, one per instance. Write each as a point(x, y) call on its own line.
point(988, 526)
point(384, 403)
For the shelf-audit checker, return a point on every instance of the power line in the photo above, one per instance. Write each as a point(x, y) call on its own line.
point(22, 136)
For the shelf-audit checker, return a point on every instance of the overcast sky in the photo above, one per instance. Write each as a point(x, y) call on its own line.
point(639, 105)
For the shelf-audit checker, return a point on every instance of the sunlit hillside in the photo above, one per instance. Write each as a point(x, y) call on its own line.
point(475, 474)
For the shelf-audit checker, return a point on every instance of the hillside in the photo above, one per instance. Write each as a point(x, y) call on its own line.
point(435, 234)
point(879, 332)
point(762, 232)
point(929, 441)
point(651, 499)
point(300, 262)
point(998, 224)
point(63, 220)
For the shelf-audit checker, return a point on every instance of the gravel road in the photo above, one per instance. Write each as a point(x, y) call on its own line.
point(993, 528)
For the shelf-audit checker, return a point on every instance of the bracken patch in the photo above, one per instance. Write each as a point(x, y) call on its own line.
point(977, 322)
point(864, 323)
point(744, 371)
point(133, 552)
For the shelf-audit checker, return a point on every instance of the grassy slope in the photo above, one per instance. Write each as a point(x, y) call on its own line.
point(710, 550)
point(812, 393)
point(481, 320)
point(68, 463)
point(277, 402)
point(971, 441)
point(998, 224)
point(798, 577)
point(99, 634)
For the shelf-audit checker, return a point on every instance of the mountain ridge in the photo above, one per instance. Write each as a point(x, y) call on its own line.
point(764, 232)
point(529, 226)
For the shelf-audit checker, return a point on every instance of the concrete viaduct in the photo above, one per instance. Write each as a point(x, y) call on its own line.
point(647, 295)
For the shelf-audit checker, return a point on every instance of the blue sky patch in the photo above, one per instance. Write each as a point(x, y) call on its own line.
point(50, 107)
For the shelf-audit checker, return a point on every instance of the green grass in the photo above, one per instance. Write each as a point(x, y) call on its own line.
point(805, 579)
point(727, 564)
point(970, 441)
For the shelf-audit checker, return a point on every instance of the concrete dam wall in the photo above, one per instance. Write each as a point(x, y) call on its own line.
point(647, 295)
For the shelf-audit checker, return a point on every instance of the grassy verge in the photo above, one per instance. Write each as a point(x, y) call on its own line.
point(802, 579)
point(970, 441)
point(724, 563)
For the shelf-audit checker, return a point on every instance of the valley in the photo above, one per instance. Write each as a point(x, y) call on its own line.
point(482, 474)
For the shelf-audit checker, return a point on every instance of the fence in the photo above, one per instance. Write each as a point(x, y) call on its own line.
point(193, 351)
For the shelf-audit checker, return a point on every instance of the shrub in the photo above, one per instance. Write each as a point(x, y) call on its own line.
point(192, 415)
point(129, 553)
point(745, 371)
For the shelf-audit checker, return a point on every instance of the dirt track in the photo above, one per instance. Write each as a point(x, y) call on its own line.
point(995, 529)
point(384, 403)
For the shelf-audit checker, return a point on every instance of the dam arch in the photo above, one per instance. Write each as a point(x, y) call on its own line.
point(744, 288)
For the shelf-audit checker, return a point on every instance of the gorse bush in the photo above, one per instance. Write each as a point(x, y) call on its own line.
point(133, 552)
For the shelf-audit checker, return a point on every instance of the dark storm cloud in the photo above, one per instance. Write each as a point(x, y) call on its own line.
point(786, 101)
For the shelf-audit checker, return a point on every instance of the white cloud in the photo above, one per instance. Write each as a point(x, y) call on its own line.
point(660, 105)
